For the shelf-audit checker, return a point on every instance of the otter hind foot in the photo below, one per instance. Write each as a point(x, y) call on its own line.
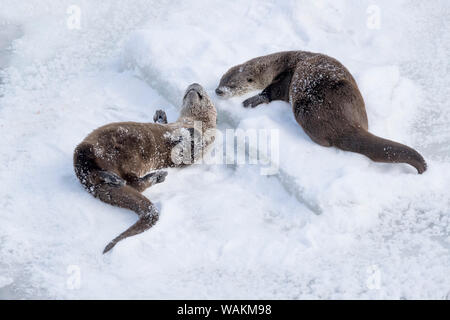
point(140, 184)
point(156, 177)
point(111, 178)
point(160, 117)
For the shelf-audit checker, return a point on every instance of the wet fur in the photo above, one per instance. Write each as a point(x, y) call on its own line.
point(325, 100)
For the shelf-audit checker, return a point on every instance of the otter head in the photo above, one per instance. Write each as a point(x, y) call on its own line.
point(239, 80)
point(198, 106)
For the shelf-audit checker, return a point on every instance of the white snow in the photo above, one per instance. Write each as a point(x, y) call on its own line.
point(331, 224)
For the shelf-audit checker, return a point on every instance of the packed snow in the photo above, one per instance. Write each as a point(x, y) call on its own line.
point(329, 224)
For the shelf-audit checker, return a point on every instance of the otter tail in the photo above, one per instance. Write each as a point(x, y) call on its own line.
point(112, 189)
point(380, 150)
point(145, 222)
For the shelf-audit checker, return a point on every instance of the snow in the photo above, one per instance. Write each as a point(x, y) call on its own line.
point(330, 224)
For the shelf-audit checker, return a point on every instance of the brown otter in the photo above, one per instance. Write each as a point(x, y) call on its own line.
point(114, 161)
point(325, 100)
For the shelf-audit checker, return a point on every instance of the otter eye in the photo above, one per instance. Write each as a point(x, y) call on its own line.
point(250, 80)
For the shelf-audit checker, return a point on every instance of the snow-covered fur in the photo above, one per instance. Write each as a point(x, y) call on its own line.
point(325, 99)
point(114, 161)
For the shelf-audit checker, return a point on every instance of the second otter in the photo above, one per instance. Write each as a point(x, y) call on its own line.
point(325, 100)
point(114, 161)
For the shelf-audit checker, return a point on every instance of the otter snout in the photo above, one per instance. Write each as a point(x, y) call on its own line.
point(223, 91)
point(219, 92)
point(194, 92)
point(194, 86)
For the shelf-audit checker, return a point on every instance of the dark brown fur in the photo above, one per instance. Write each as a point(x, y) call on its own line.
point(114, 161)
point(325, 100)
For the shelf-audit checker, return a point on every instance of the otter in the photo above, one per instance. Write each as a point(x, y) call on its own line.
point(115, 161)
point(325, 100)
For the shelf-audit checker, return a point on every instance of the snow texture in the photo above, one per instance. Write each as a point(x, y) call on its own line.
point(330, 224)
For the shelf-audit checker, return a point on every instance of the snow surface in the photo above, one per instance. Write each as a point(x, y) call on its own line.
point(325, 227)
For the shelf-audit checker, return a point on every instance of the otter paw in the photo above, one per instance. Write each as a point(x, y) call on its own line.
point(111, 178)
point(160, 117)
point(253, 101)
point(157, 176)
point(160, 176)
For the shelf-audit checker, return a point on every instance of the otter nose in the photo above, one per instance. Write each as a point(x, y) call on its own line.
point(219, 92)
point(195, 86)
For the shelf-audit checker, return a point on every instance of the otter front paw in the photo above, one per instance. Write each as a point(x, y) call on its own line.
point(255, 101)
point(160, 117)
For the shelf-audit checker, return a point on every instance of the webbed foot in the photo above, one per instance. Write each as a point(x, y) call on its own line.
point(160, 117)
